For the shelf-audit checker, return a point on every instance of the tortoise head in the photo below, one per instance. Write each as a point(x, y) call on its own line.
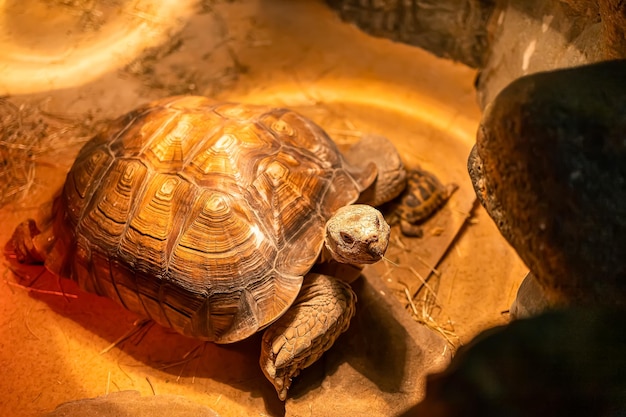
point(357, 234)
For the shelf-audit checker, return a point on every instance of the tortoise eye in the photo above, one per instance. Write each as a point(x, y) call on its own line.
point(347, 239)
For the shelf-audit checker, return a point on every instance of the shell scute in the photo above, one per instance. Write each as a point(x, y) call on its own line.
point(125, 281)
point(234, 111)
point(231, 152)
point(308, 138)
point(111, 205)
point(82, 182)
point(288, 192)
point(100, 269)
point(162, 207)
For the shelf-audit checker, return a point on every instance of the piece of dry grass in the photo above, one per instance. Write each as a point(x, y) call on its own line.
point(28, 133)
point(422, 303)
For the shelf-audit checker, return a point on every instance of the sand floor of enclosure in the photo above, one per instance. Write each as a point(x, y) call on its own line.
point(94, 60)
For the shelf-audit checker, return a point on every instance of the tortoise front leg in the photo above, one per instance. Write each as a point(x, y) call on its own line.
point(309, 328)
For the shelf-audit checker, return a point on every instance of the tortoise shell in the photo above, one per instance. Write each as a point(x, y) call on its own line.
point(423, 196)
point(204, 217)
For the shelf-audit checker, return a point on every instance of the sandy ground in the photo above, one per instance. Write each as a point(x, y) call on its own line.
point(72, 64)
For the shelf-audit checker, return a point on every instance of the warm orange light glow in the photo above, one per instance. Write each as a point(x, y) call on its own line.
point(53, 46)
point(413, 104)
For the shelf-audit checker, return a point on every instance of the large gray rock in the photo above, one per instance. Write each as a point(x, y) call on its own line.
point(549, 166)
point(529, 36)
point(566, 363)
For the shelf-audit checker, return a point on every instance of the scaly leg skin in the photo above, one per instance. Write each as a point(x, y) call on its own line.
point(410, 229)
point(23, 244)
point(309, 328)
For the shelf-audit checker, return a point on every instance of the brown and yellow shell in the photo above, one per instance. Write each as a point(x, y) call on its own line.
point(201, 216)
point(423, 195)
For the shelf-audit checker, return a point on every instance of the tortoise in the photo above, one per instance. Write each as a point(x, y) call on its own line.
point(208, 217)
point(423, 195)
point(407, 196)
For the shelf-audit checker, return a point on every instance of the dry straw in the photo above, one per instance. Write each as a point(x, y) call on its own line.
point(31, 137)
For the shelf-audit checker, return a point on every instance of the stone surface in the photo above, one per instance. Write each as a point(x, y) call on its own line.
point(504, 39)
point(613, 16)
point(537, 35)
point(530, 300)
point(450, 29)
point(550, 168)
point(566, 363)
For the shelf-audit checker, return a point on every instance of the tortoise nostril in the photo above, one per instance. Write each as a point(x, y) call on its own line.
point(376, 250)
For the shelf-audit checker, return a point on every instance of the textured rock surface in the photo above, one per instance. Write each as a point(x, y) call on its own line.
point(537, 35)
point(568, 363)
point(504, 39)
point(450, 29)
point(530, 300)
point(550, 168)
point(132, 404)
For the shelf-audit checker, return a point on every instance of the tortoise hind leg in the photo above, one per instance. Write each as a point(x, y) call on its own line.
point(410, 229)
point(309, 328)
point(30, 245)
point(22, 243)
